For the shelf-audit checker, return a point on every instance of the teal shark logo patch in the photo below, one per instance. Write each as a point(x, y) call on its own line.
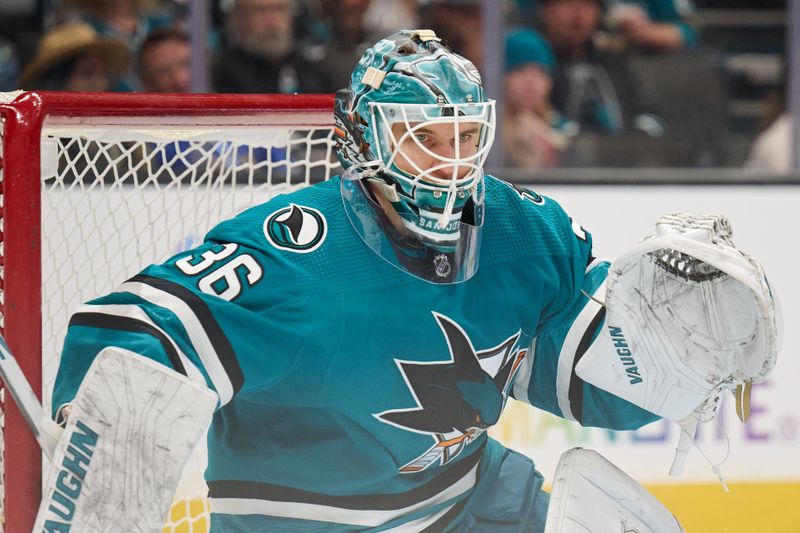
point(296, 228)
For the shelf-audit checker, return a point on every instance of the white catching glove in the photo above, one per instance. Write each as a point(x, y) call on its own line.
point(688, 316)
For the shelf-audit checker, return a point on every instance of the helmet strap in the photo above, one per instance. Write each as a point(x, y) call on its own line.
point(384, 195)
point(388, 190)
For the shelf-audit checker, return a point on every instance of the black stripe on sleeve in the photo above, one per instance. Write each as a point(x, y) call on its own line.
point(124, 323)
point(576, 383)
point(254, 490)
point(219, 340)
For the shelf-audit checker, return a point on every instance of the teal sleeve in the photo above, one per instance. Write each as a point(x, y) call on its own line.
point(553, 384)
point(188, 313)
point(123, 320)
point(86, 338)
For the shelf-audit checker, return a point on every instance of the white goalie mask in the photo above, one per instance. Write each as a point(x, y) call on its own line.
point(414, 129)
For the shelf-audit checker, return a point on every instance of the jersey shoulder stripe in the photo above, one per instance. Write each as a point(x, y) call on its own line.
point(209, 341)
point(132, 318)
point(126, 323)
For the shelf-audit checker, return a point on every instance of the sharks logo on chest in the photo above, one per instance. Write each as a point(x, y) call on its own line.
point(458, 399)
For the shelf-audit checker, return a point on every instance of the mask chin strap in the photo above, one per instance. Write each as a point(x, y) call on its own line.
point(444, 218)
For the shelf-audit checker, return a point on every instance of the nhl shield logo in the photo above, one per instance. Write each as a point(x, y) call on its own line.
point(442, 265)
point(296, 229)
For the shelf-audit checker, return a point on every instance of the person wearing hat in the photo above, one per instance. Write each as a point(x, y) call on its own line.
point(533, 132)
point(74, 57)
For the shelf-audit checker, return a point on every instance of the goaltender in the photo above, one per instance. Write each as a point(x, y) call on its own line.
point(360, 336)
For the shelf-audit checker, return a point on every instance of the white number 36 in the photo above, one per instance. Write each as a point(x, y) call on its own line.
point(224, 280)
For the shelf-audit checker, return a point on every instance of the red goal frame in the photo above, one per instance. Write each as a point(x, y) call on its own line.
point(20, 220)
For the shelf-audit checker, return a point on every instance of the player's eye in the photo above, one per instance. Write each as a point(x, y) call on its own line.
point(423, 138)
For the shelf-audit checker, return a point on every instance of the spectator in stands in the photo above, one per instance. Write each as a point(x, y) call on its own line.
point(349, 38)
point(260, 54)
point(163, 64)
point(74, 57)
point(354, 25)
point(533, 133)
point(386, 17)
point(591, 86)
point(650, 25)
point(128, 21)
point(654, 25)
point(459, 24)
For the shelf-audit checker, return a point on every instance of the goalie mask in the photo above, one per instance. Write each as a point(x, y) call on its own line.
point(413, 131)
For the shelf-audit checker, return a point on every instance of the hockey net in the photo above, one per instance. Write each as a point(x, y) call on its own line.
point(94, 188)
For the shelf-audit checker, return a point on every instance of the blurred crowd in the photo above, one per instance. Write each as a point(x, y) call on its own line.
point(586, 82)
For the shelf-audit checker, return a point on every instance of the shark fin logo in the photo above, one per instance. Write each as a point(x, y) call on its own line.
point(525, 193)
point(296, 228)
point(457, 399)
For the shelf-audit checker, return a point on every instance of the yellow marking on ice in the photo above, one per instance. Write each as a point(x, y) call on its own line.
point(749, 507)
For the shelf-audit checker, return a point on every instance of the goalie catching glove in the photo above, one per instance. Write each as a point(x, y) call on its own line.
point(688, 315)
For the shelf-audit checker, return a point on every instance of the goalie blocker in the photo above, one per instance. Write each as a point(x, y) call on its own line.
point(130, 430)
point(687, 316)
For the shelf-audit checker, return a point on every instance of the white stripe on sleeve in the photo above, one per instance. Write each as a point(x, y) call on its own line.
point(338, 515)
point(566, 356)
point(136, 313)
point(194, 328)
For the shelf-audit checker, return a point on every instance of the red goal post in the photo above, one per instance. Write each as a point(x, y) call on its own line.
point(67, 158)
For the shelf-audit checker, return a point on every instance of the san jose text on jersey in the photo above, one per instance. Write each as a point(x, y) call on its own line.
point(354, 396)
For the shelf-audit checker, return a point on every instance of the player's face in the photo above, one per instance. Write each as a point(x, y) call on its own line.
point(432, 148)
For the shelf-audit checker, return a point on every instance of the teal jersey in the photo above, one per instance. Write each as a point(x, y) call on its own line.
point(353, 395)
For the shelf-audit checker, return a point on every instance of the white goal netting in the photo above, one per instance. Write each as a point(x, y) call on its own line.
point(115, 199)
